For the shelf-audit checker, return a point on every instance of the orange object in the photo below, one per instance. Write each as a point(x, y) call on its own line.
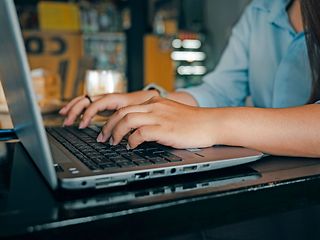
point(158, 66)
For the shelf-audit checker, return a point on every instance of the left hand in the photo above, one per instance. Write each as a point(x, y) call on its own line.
point(163, 121)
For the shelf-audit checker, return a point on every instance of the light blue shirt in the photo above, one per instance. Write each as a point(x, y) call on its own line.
point(265, 59)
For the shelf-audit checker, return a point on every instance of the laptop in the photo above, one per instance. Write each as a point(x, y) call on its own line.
point(70, 158)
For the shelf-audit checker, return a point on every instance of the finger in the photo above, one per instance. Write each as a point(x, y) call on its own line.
point(144, 134)
point(116, 117)
point(67, 107)
point(129, 122)
point(108, 102)
point(76, 110)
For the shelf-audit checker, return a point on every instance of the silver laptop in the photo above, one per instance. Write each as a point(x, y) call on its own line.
point(70, 158)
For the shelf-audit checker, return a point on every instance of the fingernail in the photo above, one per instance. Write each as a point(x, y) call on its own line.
point(128, 147)
point(111, 141)
point(100, 137)
point(81, 125)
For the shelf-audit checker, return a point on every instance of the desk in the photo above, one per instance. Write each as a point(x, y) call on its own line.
point(272, 206)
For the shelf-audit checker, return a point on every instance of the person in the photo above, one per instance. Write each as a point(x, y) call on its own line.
point(292, 131)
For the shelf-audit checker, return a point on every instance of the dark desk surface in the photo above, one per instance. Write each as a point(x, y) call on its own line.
point(275, 198)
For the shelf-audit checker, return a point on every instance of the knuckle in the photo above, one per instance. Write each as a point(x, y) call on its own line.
point(121, 112)
point(126, 119)
point(140, 133)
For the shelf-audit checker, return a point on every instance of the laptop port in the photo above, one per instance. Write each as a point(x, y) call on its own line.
point(83, 183)
point(205, 165)
point(173, 170)
point(158, 173)
point(189, 168)
point(141, 175)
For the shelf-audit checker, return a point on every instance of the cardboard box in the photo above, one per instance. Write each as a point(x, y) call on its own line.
point(59, 53)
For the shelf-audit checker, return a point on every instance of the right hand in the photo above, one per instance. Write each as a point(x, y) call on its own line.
point(81, 105)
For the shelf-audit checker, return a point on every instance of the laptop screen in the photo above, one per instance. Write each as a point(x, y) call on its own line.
point(16, 81)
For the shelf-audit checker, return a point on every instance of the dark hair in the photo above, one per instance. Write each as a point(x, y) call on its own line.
point(311, 18)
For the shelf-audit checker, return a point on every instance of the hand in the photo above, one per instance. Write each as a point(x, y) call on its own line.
point(163, 121)
point(101, 103)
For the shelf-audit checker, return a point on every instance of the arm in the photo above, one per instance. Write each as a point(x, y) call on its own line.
point(290, 131)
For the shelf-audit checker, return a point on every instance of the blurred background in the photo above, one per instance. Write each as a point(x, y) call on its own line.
point(93, 47)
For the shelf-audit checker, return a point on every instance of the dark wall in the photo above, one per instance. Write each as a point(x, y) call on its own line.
point(220, 16)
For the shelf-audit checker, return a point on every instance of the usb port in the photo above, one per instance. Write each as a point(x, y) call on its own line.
point(189, 168)
point(158, 172)
point(205, 165)
point(141, 175)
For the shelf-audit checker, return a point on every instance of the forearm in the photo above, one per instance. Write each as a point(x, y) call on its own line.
point(290, 132)
point(183, 97)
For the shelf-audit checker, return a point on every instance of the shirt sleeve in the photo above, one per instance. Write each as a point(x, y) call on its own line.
point(227, 85)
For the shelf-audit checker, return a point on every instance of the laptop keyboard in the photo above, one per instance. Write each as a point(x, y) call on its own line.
point(99, 156)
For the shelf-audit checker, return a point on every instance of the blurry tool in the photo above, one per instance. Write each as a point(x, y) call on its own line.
point(5, 119)
point(3, 102)
point(47, 89)
point(159, 67)
point(63, 68)
point(100, 82)
point(56, 52)
point(59, 16)
point(83, 64)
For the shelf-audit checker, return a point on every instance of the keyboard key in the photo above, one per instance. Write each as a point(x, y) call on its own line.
point(126, 164)
point(132, 156)
point(171, 157)
point(119, 159)
point(159, 160)
point(109, 166)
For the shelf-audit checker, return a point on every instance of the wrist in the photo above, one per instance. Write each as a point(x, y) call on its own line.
point(217, 125)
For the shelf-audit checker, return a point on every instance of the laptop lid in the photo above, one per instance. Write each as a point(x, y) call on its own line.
point(17, 84)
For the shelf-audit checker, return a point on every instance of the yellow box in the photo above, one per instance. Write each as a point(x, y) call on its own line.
point(59, 16)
